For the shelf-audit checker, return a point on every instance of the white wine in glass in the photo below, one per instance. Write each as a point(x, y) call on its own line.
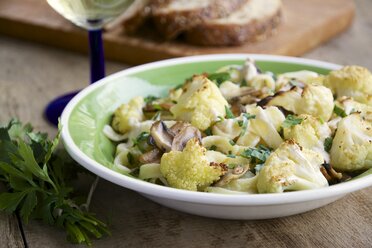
point(90, 15)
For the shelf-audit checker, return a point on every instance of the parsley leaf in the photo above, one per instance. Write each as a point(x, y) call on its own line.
point(37, 179)
point(229, 114)
point(328, 144)
point(213, 148)
point(290, 121)
point(150, 99)
point(339, 111)
point(244, 123)
point(219, 78)
point(259, 154)
point(208, 131)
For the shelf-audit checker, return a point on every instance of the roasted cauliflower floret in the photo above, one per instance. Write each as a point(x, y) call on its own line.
point(190, 169)
point(310, 134)
point(351, 106)
point(289, 168)
point(284, 80)
point(128, 115)
point(201, 103)
point(315, 100)
point(264, 83)
point(352, 145)
point(354, 81)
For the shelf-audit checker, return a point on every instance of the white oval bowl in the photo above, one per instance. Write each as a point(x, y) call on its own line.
point(258, 206)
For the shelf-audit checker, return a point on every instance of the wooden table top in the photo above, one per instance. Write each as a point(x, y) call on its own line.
point(31, 75)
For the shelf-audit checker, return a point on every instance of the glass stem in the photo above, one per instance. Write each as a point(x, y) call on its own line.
point(97, 60)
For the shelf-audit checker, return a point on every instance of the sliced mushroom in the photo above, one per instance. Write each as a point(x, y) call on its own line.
point(152, 156)
point(330, 174)
point(232, 174)
point(161, 136)
point(176, 128)
point(236, 107)
point(187, 133)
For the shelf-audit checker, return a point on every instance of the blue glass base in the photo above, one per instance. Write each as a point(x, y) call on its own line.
point(55, 108)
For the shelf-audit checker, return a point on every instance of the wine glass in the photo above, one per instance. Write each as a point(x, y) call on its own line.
point(90, 15)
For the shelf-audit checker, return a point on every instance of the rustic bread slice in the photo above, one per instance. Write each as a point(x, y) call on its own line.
point(254, 20)
point(180, 15)
point(130, 20)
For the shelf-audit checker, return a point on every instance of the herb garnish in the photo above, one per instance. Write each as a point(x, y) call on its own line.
point(219, 78)
point(229, 114)
point(339, 111)
point(328, 144)
point(37, 182)
point(259, 154)
point(290, 121)
point(244, 123)
point(208, 131)
point(149, 99)
point(141, 141)
point(213, 148)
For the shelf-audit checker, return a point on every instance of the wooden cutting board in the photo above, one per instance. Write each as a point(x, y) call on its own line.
point(307, 23)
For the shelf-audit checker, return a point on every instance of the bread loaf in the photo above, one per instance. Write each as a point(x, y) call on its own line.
point(254, 20)
point(180, 15)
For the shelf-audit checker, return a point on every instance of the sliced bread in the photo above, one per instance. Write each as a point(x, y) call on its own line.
point(252, 21)
point(180, 15)
point(130, 20)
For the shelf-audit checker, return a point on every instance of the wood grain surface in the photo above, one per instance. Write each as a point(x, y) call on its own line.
point(31, 75)
point(306, 24)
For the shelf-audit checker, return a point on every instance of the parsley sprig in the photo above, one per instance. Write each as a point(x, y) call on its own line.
point(290, 121)
point(258, 155)
point(37, 181)
point(339, 111)
point(219, 77)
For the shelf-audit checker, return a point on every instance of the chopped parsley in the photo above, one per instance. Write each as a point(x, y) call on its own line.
point(339, 111)
point(130, 158)
point(244, 123)
point(141, 138)
point(230, 156)
point(229, 114)
point(249, 116)
point(328, 144)
point(291, 120)
point(208, 131)
point(258, 155)
point(150, 99)
point(213, 148)
point(219, 78)
point(157, 107)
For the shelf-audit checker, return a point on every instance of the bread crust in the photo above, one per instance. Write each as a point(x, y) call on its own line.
point(216, 34)
point(171, 24)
